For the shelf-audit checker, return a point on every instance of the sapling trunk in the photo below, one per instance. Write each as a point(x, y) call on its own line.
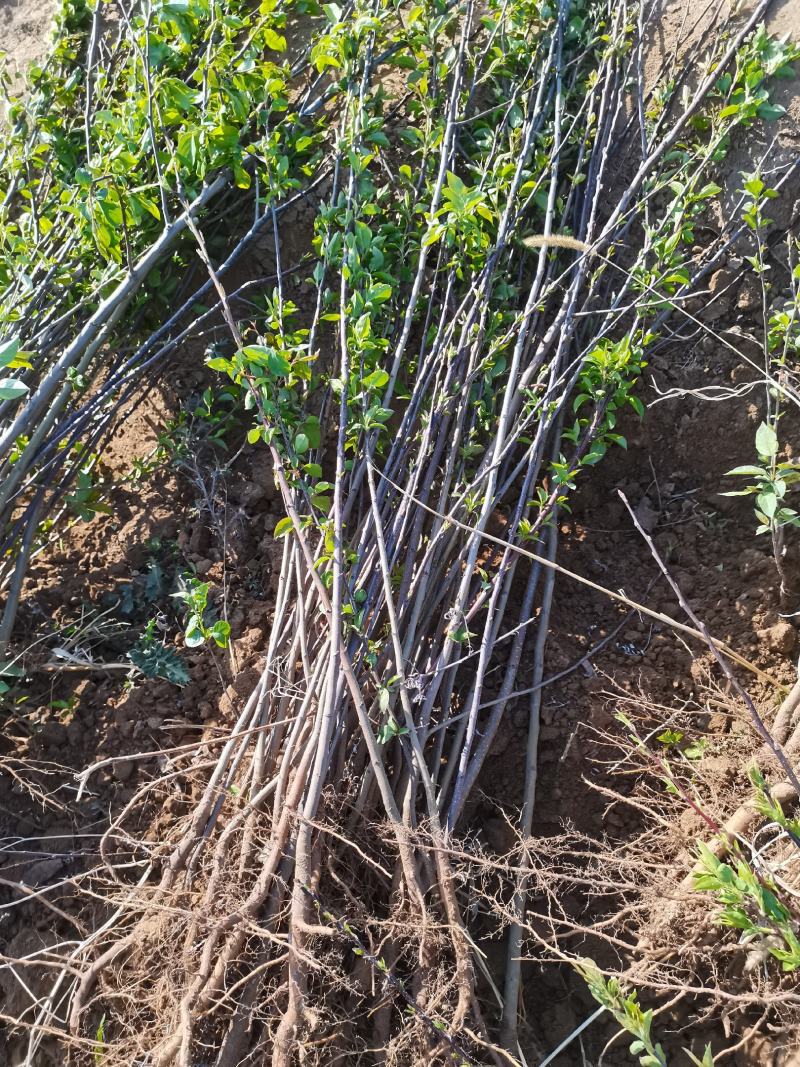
point(462, 385)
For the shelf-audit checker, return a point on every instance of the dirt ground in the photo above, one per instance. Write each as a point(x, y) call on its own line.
point(24, 30)
point(672, 472)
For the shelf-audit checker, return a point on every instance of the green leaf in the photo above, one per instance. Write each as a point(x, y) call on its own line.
point(377, 137)
point(159, 661)
point(400, 60)
point(385, 734)
point(670, 737)
point(321, 502)
point(283, 527)
point(8, 351)
point(766, 440)
point(770, 112)
point(12, 389)
point(707, 1060)
point(312, 430)
point(274, 40)
point(709, 190)
point(221, 632)
point(276, 362)
point(194, 635)
point(767, 501)
point(750, 472)
point(433, 235)
point(379, 293)
point(376, 380)
point(696, 750)
point(301, 444)
point(460, 635)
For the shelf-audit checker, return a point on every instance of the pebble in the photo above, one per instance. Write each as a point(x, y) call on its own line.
point(749, 295)
point(718, 723)
point(646, 515)
point(782, 637)
point(123, 770)
point(718, 305)
point(720, 280)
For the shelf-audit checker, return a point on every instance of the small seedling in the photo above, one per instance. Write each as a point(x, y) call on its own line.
point(770, 484)
point(157, 660)
point(64, 707)
point(626, 1010)
point(100, 1040)
point(199, 628)
point(749, 903)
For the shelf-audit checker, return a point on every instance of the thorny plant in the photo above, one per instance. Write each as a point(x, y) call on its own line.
point(156, 659)
point(444, 376)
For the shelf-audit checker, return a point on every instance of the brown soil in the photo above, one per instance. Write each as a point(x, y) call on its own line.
point(672, 473)
point(673, 480)
point(24, 31)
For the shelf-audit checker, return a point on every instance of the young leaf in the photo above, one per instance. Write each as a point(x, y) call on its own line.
point(750, 472)
point(8, 351)
point(274, 40)
point(12, 389)
point(221, 632)
point(275, 362)
point(376, 380)
point(194, 633)
point(283, 527)
point(766, 441)
point(770, 112)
